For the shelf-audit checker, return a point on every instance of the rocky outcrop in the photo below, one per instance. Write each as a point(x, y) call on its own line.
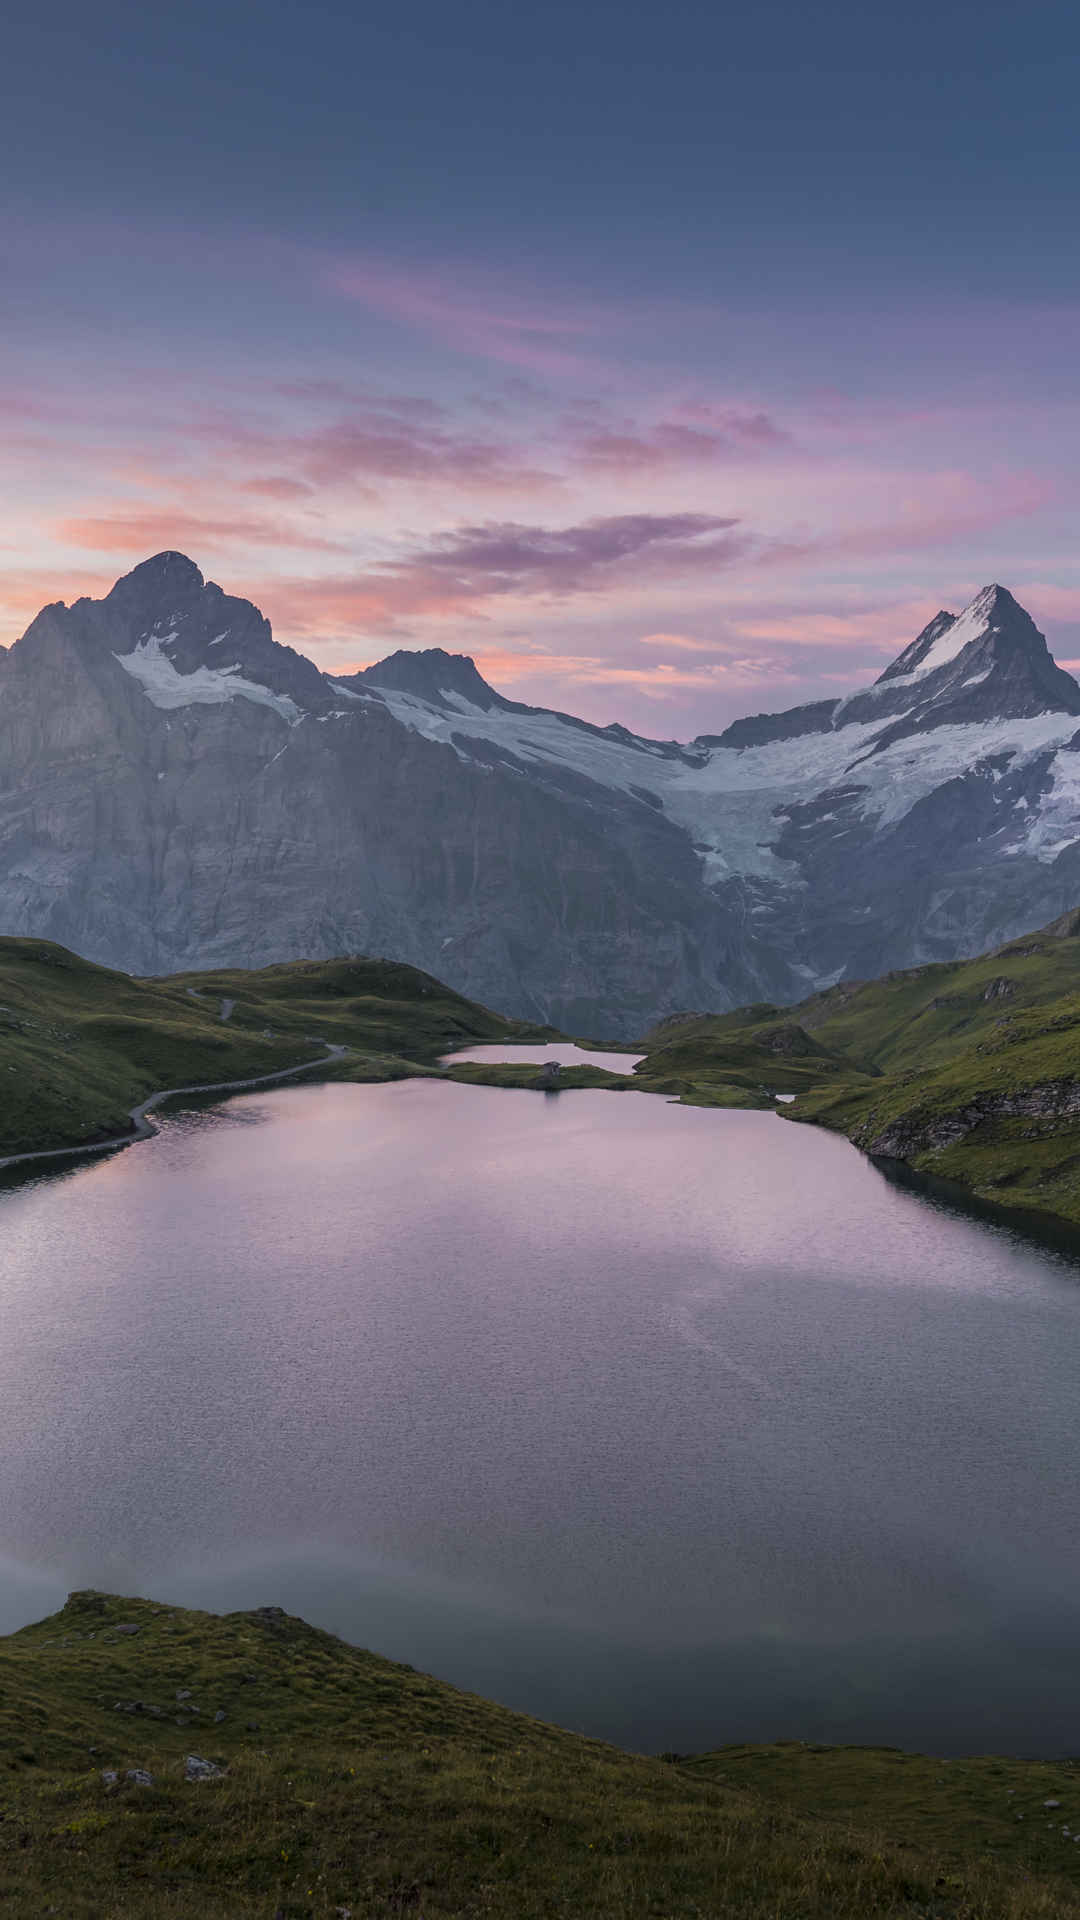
point(914, 1135)
point(1000, 989)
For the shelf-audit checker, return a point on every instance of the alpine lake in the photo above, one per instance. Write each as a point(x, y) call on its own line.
point(677, 1426)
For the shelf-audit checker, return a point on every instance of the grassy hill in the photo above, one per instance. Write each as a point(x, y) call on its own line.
point(80, 1044)
point(968, 1070)
point(741, 1059)
point(350, 1786)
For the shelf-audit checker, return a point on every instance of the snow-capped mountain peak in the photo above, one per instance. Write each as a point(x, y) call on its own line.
point(990, 661)
point(991, 611)
point(177, 788)
point(184, 641)
point(974, 690)
point(992, 615)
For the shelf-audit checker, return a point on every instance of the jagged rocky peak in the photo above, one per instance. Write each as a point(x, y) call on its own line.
point(183, 638)
point(432, 675)
point(990, 661)
point(993, 618)
point(164, 573)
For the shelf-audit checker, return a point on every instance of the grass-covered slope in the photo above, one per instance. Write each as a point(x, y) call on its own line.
point(348, 1786)
point(80, 1044)
point(951, 1808)
point(968, 1070)
point(741, 1059)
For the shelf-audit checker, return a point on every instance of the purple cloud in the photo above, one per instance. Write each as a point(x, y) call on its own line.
point(507, 556)
point(457, 573)
point(675, 443)
point(383, 447)
point(396, 441)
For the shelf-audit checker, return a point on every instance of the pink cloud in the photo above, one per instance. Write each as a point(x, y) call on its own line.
point(365, 602)
point(476, 314)
point(155, 529)
point(24, 591)
point(948, 506)
point(376, 443)
point(659, 682)
point(891, 627)
point(1048, 602)
point(682, 642)
point(381, 448)
point(350, 395)
point(276, 486)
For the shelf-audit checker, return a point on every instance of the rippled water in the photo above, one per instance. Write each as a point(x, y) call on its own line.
point(680, 1426)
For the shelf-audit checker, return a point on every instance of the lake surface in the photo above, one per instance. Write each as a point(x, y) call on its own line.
point(564, 1052)
point(678, 1426)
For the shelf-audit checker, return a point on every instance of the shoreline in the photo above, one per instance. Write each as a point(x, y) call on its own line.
point(1041, 1223)
point(142, 1129)
point(1059, 1230)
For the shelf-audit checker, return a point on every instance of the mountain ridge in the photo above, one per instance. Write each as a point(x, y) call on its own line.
point(178, 789)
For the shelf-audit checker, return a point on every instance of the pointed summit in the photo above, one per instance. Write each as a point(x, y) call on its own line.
point(989, 662)
point(167, 575)
point(184, 640)
point(166, 569)
point(993, 616)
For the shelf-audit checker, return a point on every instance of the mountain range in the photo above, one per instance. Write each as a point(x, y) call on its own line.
point(178, 789)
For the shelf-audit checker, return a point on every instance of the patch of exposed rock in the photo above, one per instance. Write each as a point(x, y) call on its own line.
point(906, 1138)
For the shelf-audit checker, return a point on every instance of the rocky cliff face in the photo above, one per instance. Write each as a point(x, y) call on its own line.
point(177, 789)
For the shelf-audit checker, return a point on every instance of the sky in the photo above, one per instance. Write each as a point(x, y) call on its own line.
point(675, 361)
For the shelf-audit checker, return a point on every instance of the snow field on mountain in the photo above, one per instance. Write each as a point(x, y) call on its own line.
point(164, 687)
point(731, 805)
point(734, 802)
point(969, 625)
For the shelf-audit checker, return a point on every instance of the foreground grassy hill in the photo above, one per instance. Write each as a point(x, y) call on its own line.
point(338, 1784)
point(968, 1070)
point(80, 1044)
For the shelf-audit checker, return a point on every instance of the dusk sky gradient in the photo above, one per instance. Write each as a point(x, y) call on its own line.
point(676, 362)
